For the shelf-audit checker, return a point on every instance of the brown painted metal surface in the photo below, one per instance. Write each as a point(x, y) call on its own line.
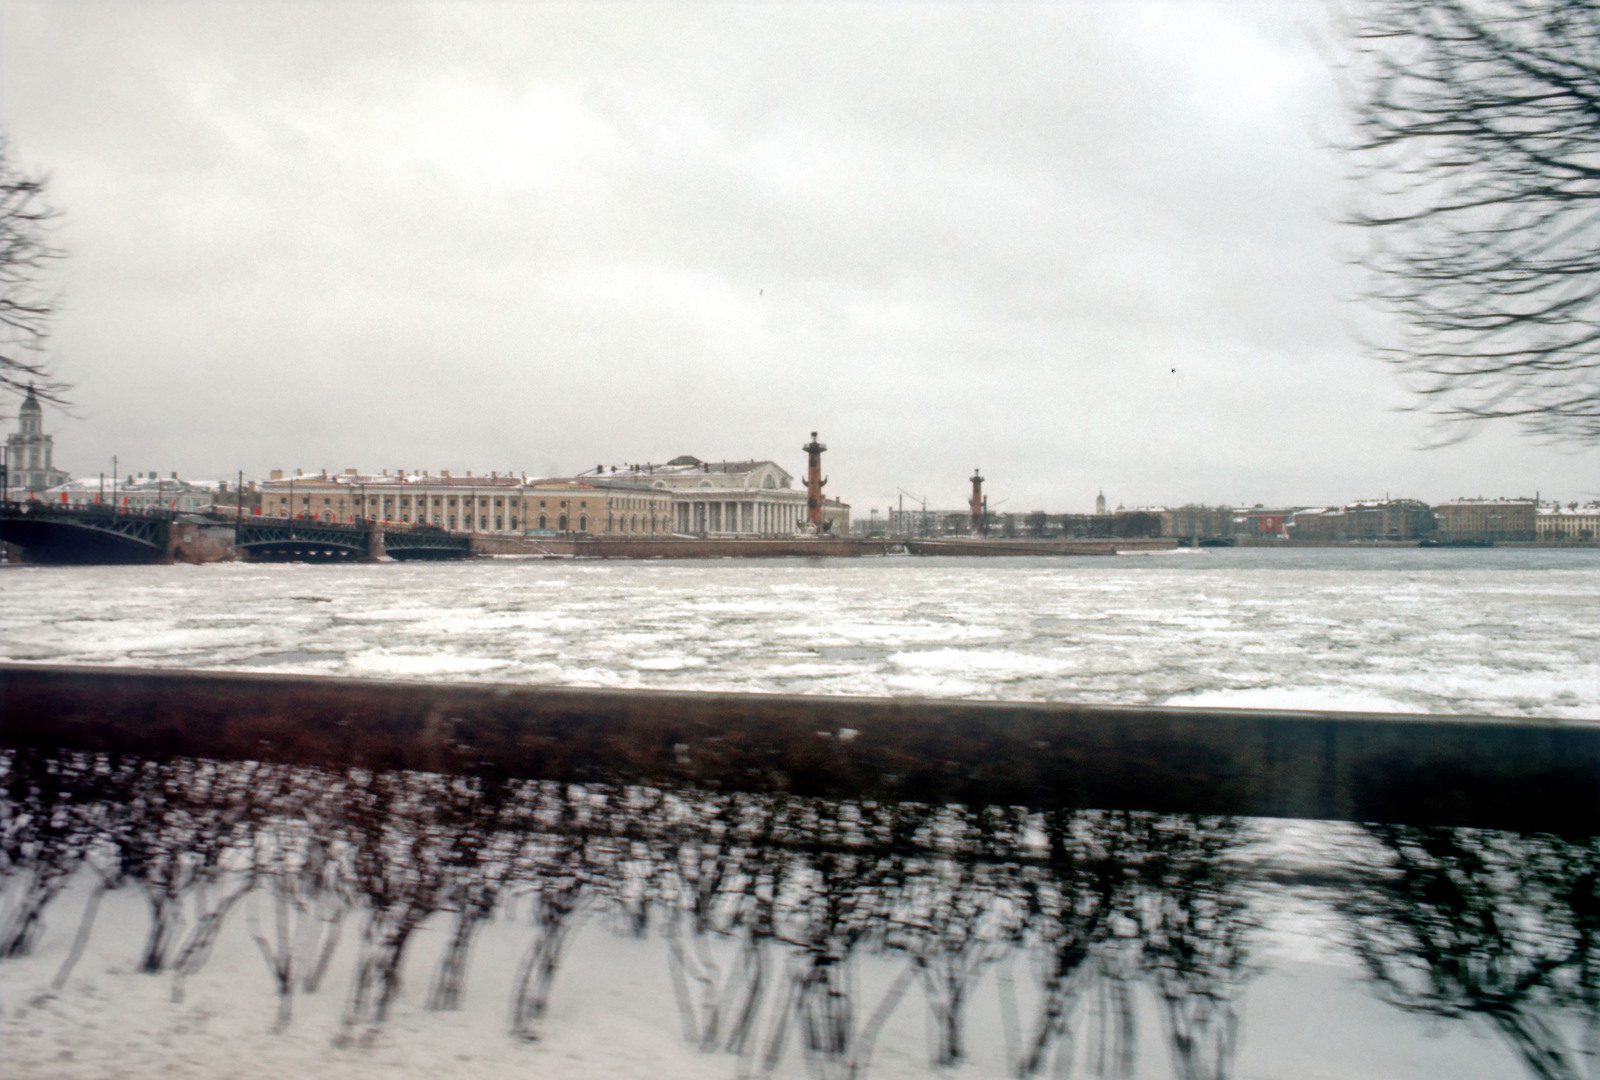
point(1485, 771)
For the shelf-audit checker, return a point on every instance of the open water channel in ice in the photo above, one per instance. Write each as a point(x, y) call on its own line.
point(1244, 949)
point(1450, 631)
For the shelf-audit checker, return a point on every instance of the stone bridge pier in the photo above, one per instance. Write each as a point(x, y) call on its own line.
point(197, 542)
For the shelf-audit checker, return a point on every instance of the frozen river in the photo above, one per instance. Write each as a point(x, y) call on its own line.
point(1145, 946)
point(1451, 631)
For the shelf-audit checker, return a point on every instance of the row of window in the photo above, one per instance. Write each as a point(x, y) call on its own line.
point(714, 516)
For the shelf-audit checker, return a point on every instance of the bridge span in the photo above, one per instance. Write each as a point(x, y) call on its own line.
point(266, 539)
point(105, 535)
point(48, 533)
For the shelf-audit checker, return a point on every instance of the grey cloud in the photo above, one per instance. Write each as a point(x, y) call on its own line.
point(522, 236)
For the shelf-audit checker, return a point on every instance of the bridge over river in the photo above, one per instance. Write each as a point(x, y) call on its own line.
point(51, 533)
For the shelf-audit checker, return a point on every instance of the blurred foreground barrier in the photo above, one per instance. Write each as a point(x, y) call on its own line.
point(1496, 772)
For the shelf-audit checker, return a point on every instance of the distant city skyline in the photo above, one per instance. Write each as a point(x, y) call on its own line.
point(1079, 247)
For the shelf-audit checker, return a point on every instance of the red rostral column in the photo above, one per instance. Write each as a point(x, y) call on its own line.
point(976, 504)
point(814, 482)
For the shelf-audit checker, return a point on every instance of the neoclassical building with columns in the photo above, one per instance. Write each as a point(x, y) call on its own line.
point(726, 498)
point(502, 504)
point(684, 497)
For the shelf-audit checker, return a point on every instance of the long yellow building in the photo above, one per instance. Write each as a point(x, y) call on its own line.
point(496, 504)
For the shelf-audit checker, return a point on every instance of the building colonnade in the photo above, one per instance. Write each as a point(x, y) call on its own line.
point(489, 504)
point(696, 514)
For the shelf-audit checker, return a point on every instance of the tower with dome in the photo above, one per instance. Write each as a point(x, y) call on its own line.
point(29, 451)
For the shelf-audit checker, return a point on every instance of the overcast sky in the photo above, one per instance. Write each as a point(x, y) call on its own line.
point(1079, 246)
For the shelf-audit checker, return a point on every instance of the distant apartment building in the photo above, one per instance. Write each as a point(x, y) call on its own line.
point(495, 504)
point(1493, 520)
point(1191, 523)
point(1264, 522)
point(1317, 523)
point(1552, 524)
point(1387, 520)
point(1395, 520)
point(727, 498)
point(232, 498)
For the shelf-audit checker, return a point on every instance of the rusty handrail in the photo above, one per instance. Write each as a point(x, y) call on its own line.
point(1499, 772)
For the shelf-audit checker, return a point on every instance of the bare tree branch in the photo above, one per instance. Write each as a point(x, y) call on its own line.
point(26, 307)
point(1477, 161)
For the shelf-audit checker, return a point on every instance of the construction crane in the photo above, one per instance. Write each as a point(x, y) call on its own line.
point(914, 498)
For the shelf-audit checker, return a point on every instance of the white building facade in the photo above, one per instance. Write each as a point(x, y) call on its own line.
point(141, 491)
point(728, 498)
point(1573, 523)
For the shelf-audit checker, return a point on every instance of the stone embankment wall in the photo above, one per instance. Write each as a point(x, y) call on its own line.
point(685, 548)
point(695, 548)
point(976, 545)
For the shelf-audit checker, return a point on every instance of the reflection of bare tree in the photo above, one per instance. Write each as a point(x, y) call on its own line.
point(835, 905)
point(308, 882)
point(102, 791)
point(1194, 931)
point(42, 839)
point(769, 902)
point(475, 863)
point(729, 870)
point(958, 913)
point(396, 857)
point(184, 838)
point(555, 864)
point(1070, 904)
point(1457, 922)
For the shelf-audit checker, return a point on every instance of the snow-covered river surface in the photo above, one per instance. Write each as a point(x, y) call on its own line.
point(1499, 631)
point(534, 931)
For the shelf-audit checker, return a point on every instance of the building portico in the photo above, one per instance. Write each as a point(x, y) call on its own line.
point(723, 498)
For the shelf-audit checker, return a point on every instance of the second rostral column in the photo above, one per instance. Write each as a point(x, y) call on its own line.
point(814, 483)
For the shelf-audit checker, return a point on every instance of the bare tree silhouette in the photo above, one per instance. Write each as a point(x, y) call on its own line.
point(1462, 922)
point(958, 913)
point(27, 307)
point(1475, 157)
